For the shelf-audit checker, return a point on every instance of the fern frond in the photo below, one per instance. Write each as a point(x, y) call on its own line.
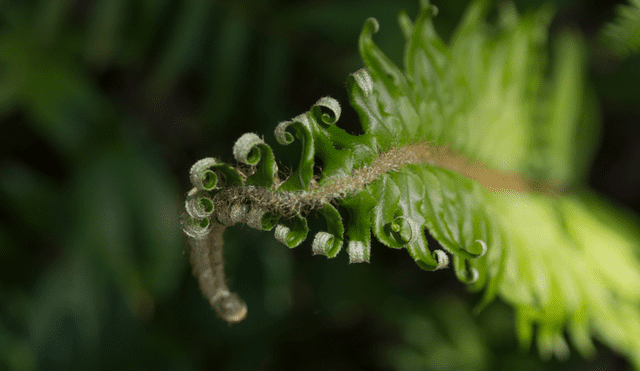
point(473, 143)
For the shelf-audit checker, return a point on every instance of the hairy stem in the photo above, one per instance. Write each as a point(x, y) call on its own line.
point(208, 266)
point(290, 203)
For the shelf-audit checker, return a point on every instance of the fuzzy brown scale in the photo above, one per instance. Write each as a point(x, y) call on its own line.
point(290, 203)
point(285, 204)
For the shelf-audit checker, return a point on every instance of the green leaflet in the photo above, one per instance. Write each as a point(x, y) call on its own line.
point(359, 207)
point(329, 243)
point(292, 232)
point(338, 150)
point(487, 95)
point(567, 266)
point(425, 196)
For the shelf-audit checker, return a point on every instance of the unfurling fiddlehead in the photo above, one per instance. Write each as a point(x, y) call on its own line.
point(397, 180)
point(366, 182)
point(473, 142)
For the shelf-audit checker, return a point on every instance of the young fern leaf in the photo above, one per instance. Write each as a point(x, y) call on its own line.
point(472, 143)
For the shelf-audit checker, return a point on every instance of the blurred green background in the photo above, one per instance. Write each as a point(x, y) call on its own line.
point(104, 106)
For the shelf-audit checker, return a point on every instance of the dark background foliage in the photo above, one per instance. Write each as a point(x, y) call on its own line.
point(104, 106)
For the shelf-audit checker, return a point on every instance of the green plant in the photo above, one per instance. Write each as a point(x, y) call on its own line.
point(473, 142)
point(623, 34)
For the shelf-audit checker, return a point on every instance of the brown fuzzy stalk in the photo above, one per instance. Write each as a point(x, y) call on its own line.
point(288, 204)
point(208, 267)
